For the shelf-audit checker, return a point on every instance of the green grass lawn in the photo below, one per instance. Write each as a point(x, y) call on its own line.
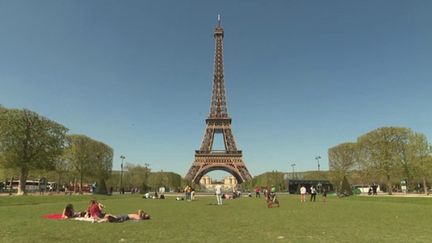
point(355, 219)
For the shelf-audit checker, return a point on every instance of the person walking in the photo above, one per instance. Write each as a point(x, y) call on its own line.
point(302, 194)
point(324, 194)
point(257, 192)
point(192, 194)
point(187, 193)
point(313, 193)
point(218, 190)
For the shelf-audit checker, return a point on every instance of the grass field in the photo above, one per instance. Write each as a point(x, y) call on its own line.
point(355, 219)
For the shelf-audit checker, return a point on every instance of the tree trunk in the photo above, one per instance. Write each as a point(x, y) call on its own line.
point(22, 181)
point(101, 188)
point(389, 185)
point(59, 181)
point(81, 184)
point(425, 185)
point(11, 185)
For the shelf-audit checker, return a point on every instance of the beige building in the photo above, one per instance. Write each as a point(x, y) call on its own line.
point(230, 183)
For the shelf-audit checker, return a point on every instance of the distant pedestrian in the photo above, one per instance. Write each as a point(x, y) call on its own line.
point(313, 193)
point(266, 192)
point(187, 191)
point(192, 194)
point(374, 189)
point(324, 194)
point(218, 191)
point(302, 194)
point(257, 192)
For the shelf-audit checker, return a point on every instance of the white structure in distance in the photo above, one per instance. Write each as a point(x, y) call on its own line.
point(229, 183)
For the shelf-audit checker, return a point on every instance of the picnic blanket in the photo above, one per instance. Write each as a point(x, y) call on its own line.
point(57, 216)
point(92, 220)
point(52, 216)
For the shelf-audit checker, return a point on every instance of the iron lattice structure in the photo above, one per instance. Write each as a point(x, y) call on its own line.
point(218, 122)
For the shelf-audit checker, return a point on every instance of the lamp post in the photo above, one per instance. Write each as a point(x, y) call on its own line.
point(293, 165)
point(317, 159)
point(122, 157)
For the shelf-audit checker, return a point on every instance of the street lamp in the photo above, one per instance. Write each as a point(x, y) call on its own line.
point(317, 159)
point(293, 165)
point(122, 157)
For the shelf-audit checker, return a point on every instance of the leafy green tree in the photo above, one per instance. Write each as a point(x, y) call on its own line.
point(90, 158)
point(61, 169)
point(343, 158)
point(137, 176)
point(29, 141)
point(165, 179)
point(383, 150)
point(271, 178)
point(2, 109)
point(79, 156)
point(345, 187)
point(419, 158)
point(114, 180)
point(102, 159)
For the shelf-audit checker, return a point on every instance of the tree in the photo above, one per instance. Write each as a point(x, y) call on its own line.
point(137, 176)
point(29, 141)
point(2, 109)
point(342, 159)
point(345, 188)
point(165, 179)
point(419, 158)
point(271, 178)
point(102, 159)
point(61, 168)
point(383, 150)
point(79, 155)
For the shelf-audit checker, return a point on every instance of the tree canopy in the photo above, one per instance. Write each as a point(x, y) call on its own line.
point(29, 141)
point(387, 153)
point(89, 158)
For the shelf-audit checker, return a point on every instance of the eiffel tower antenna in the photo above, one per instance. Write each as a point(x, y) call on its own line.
point(218, 122)
point(219, 20)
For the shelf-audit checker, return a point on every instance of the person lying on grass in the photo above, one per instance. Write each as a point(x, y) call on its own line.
point(141, 215)
point(69, 212)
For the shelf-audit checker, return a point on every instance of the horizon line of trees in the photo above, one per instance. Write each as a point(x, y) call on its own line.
point(30, 142)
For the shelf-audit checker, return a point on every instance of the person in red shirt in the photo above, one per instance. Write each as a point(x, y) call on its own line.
point(95, 209)
point(257, 192)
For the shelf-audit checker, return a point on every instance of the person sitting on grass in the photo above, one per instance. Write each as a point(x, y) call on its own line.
point(141, 215)
point(95, 209)
point(272, 199)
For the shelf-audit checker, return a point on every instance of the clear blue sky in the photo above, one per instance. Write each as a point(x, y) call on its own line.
point(301, 76)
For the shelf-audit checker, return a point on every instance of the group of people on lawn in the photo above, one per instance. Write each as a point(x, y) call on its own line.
point(95, 212)
point(313, 193)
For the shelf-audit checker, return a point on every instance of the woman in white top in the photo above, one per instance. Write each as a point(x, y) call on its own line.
point(302, 194)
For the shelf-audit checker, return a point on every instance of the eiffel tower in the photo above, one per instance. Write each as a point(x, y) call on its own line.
point(218, 122)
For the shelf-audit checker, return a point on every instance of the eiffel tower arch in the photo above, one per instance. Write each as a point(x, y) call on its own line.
point(218, 122)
